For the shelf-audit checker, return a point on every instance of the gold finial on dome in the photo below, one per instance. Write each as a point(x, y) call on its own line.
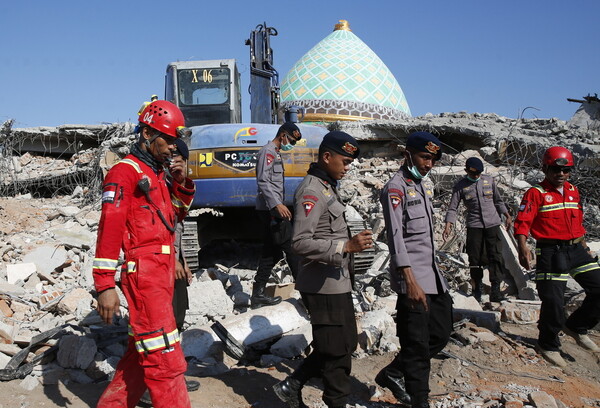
point(342, 25)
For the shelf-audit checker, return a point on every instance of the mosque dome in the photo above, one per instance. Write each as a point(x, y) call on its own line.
point(341, 78)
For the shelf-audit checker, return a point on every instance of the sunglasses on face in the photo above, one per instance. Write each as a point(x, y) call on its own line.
point(558, 169)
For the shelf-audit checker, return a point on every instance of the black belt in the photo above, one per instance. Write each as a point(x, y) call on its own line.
point(559, 242)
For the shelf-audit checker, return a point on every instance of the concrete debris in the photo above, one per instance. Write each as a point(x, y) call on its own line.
point(49, 215)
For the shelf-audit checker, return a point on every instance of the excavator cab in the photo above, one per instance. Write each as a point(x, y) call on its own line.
point(207, 92)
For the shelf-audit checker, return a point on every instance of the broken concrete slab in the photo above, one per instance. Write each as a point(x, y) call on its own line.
point(293, 343)
point(47, 257)
point(75, 300)
point(198, 341)
point(20, 271)
point(13, 290)
point(76, 236)
point(488, 319)
point(510, 258)
point(521, 312)
point(377, 330)
point(210, 298)
point(266, 323)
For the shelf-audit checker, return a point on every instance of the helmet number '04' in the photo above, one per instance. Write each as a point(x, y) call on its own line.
point(148, 117)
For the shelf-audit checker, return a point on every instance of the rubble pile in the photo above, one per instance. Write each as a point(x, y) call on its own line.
point(51, 332)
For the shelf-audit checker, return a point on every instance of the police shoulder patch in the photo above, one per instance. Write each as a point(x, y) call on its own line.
point(269, 158)
point(308, 205)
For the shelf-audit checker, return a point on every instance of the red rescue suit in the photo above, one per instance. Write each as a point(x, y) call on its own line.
point(138, 216)
point(548, 214)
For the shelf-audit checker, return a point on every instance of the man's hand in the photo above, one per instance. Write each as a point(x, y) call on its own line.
point(447, 231)
point(178, 169)
point(508, 221)
point(284, 212)
point(182, 271)
point(108, 305)
point(361, 241)
point(524, 253)
point(414, 292)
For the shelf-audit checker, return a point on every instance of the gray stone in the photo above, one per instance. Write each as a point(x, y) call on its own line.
point(77, 299)
point(542, 400)
point(520, 311)
point(4, 359)
point(293, 343)
point(489, 320)
point(20, 271)
point(209, 299)
point(461, 301)
point(78, 237)
point(29, 383)
point(76, 352)
point(11, 289)
point(99, 369)
point(80, 377)
point(198, 341)
point(376, 327)
point(47, 257)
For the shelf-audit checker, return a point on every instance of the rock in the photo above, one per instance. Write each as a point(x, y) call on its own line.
point(100, 368)
point(210, 298)
point(11, 289)
point(5, 310)
point(29, 383)
point(68, 211)
point(542, 400)
point(461, 301)
point(7, 332)
point(75, 237)
point(47, 257)
point(489, 320)
point(4, 359)
point(198, 341)
point(76, 351)
point(377, 329)
point(20, 271)
point(77, 299)
point(520, 312)
point(293, 343)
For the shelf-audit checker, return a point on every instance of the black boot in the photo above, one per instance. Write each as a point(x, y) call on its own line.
point(395, 383)
point(290, 392)
point(495, 293)
point(477, 286)
point(259, 299)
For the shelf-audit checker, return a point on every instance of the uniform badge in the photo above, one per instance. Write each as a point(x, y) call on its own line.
point(326, 192)
point(432, 147)
point(522, 207)
point(571, 198)
point(486, 182)
point(270, 158)
point(349, 148)
point(548, 198)
point(411, 193)
point(429, 192)
point(308, 206)
point(395, 197)
point(109, 192)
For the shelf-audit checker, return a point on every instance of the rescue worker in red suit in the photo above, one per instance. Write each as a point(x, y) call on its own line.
point(552, 212)
point(138, 217)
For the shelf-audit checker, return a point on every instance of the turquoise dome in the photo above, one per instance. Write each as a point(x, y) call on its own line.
point(341, 78)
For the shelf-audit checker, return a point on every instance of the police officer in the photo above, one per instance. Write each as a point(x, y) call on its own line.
point(322, 240)
point(274, 216)
point(552, 212)
point(484, 206)
point(424, 306)
point(138, 217)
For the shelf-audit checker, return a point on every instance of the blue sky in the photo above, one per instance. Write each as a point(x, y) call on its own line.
point(81, 62)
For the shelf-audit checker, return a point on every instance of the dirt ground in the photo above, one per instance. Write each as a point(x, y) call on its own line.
point(478, 373)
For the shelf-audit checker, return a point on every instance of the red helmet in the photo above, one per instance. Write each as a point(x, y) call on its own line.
point(557, 156)
point(163, 116)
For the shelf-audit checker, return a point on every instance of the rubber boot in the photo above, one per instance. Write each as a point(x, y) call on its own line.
point(259, 299)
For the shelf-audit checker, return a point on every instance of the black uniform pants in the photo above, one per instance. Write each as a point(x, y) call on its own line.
point(484, 248)
point(276, 239)
point(554, 265)
point(334, 340)
point(180, 302)
point(422, 335)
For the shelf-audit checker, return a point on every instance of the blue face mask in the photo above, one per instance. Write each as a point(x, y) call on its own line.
point(472, 179)
point(415, 172)
point(287, 147)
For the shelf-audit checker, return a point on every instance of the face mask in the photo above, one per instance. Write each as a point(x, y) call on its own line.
point(286, 147)
point(415, 172)
point(472, 179)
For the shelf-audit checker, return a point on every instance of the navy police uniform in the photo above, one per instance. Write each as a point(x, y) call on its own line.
point(275, 232)
point(324, 276)
point(484, 206)
point(408, 213)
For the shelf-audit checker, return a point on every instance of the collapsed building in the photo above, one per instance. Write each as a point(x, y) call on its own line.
point(50, 181)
